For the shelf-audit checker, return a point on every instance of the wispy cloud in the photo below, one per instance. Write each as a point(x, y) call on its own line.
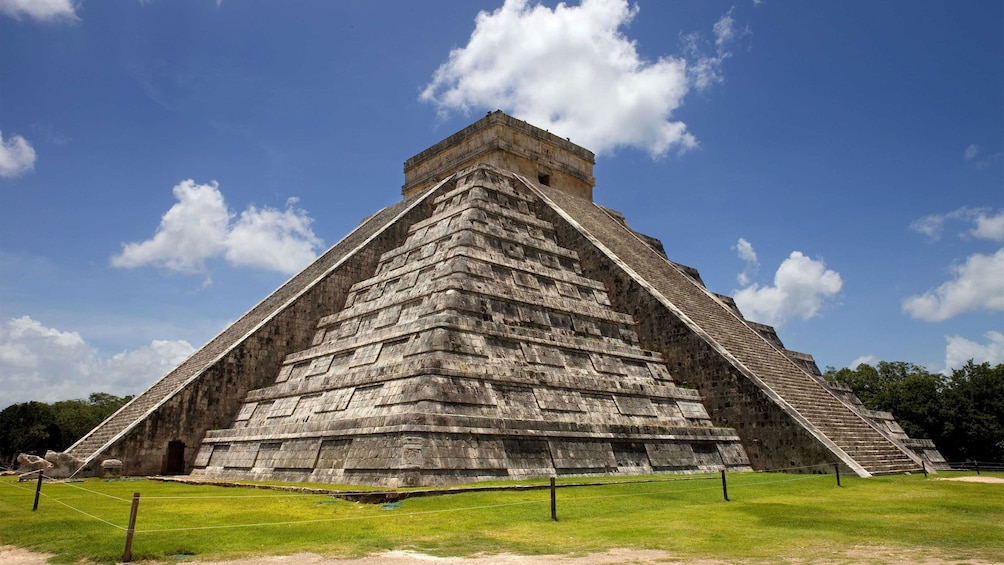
point(555, 68)
point(48, 364)
point(745, 251)
point(974, 156)
point(706, 58)
point(40, 10)
point(802, 287)
point(864, 360)
point(200, 227)
point(17, 156)
point(989, 226)
point(987, 223)
point(978, 282)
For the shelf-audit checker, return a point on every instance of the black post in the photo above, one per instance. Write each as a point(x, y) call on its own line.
point(554, 504)
point(725, 487)
point(923, 466)
point(977, 463)
point(127, 554)
point(38, 491)
point(836, 467)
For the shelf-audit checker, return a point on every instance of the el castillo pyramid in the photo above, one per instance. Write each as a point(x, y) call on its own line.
point(495, 323)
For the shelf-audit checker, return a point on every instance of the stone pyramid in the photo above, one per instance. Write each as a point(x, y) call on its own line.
point(495, 323)
point(477, 350)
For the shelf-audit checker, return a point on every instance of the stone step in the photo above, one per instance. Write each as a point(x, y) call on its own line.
point(806, 395)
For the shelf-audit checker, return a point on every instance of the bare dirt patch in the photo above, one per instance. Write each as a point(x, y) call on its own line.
point(10, 555)
point(977, 479)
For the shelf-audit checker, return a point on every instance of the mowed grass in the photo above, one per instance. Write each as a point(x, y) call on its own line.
point(771, 517)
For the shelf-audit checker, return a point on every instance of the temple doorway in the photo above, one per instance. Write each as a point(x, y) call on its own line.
point(175, 464)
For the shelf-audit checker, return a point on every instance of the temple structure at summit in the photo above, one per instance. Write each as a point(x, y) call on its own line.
point(495, 323)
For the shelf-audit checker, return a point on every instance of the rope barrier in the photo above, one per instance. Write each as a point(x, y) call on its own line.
point(343, 519)
point(106, 495)
point(103, 521)
point(287, 495)
point(647, 493)
point(793, 478)
point(15, 485)
point(786, 469)
point(212, 497)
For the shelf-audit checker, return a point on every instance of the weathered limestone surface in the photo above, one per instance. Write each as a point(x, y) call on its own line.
point(478, 350)
point(28, 462)
point(510, 144)
point(63, 464)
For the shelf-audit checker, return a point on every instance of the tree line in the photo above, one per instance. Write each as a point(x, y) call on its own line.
point(35, 427)
point(963, 413)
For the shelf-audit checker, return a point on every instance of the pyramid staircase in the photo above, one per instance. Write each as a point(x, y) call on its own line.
point(854, 439)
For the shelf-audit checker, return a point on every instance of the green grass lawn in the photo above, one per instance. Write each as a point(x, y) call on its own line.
point(770, 517)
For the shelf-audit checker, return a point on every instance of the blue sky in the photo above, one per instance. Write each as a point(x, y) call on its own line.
point(838, 167)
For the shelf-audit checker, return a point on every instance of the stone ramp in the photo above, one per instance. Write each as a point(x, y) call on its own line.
point(116, 425)
point(832, 422)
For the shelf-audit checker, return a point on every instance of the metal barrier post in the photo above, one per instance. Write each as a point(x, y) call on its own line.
point(725, 487)
point(836, 466)
point(977, 464)
point(127, 554)
point(38, 491)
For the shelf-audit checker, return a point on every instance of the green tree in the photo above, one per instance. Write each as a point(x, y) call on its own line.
point(28, 427)
point(77, 417)
point(976, 429)
point(963, 414)
point(35, 427)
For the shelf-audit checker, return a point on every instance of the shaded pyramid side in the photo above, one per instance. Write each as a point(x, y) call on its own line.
point(477, 350)
point(785, 416)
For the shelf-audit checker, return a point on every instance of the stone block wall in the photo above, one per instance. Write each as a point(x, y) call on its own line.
point(510, 144)
point(475, 351)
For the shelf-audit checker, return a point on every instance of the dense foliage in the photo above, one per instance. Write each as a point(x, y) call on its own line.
point(963, 412)
point(34, 427)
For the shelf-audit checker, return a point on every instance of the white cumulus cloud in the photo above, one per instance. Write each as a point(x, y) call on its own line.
point(802, 287)
point(48, 364)
point(191, 232)
point(977, 284)
point(17, 156)
point(272, 239)
point(572, 71)
point(200, 227)
point(959, 350)
point(39, 10)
